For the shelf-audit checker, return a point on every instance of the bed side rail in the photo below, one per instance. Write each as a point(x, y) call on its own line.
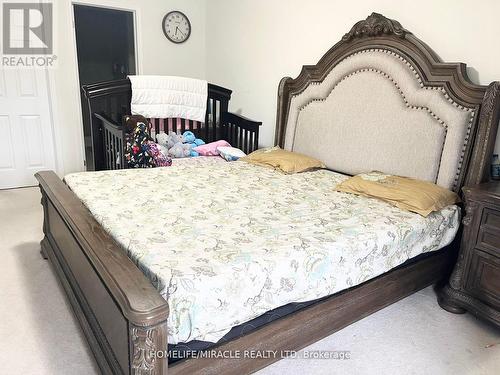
point(241, 132)
point(122, 315)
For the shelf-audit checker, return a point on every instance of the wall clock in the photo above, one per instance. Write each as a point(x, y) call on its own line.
point(176, 27)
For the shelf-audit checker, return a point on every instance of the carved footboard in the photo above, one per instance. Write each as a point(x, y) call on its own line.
point(122, 315)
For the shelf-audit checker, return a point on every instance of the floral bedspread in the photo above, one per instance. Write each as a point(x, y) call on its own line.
point(226, 242)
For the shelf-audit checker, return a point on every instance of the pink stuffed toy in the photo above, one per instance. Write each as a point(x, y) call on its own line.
point(210, 149)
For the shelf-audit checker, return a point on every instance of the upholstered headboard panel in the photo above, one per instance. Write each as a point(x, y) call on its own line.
point(381, 100)
point(372, 112)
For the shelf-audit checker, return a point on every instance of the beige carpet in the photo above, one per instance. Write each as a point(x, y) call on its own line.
point(38, 334)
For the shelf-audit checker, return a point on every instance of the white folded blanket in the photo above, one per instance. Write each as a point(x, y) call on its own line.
point(169, 97)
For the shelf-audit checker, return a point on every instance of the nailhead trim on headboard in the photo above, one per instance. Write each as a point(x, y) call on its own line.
point(419, 79)
point(436, 117)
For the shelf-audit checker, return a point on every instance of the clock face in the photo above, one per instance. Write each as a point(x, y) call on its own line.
point(176, 27)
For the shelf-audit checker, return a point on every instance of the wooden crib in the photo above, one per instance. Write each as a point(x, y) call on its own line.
point(105, 104)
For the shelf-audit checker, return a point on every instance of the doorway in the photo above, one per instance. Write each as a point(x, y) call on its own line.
point(105, 44)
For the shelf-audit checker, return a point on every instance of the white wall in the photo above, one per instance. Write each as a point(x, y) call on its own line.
point(156, 56)
point(252, 44)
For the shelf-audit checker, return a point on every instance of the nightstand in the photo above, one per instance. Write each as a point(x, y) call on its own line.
point(474, 285)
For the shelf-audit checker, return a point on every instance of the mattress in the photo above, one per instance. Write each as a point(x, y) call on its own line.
point(225, 243)
point(181, 351)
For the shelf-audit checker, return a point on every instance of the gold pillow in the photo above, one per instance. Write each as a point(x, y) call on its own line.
point(286, 161)
point(406, 193)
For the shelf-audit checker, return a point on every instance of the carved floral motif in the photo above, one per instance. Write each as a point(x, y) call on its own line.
point(376, 24)
point(470, 208)
point(490, 98)
point(144, 348)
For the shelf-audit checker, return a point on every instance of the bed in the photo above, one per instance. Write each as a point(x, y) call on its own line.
point(382, 100)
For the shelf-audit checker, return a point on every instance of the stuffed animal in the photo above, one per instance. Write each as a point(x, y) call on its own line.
point(171, 144)
point(190, 139)
point(162, 141)
point(174, 138)
point(180, 150)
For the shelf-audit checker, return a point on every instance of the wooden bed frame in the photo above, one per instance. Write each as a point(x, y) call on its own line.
point(124, 317)
point(106, 103)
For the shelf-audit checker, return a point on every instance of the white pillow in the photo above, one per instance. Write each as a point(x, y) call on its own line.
point(230, 153)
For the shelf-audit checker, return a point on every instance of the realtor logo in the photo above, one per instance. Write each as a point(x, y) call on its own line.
point(27, 29)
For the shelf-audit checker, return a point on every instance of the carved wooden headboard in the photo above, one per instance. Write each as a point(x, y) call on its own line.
point(381, 99)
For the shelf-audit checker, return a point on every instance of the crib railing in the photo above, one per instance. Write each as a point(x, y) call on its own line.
point(114, 142)
point(178, 125)
point(242, 132)
point(106, 103)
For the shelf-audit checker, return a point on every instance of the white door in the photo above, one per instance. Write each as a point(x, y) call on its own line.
point(25, 126)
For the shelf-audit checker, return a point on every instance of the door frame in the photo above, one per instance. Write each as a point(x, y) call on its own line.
point(105, 4)
point(54, 120)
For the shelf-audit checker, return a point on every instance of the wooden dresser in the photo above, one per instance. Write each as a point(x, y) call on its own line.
point(474, 285)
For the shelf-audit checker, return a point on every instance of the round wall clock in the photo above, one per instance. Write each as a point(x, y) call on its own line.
point(176, 27)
